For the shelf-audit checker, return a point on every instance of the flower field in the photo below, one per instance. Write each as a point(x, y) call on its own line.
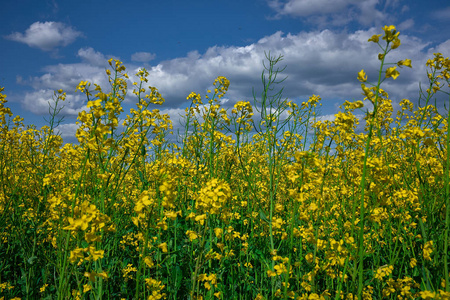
point(126, 214)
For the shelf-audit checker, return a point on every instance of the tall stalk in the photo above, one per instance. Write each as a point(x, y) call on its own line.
point(272, 106)
point(391, 35)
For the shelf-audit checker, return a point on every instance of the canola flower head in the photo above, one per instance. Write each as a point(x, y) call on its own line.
point(392, 72)
point(375, 38)
point(213, 197)
point(362, 76)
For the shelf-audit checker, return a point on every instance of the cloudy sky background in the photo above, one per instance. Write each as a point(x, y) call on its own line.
point(51, 44)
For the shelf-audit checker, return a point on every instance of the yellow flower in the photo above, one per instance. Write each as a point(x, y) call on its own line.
point(172, 214)
point(390, 33)
point(81, 223)
point(76, 255)
point(128, 269)
point(87, 288)
point(395, 43)
point(91, 237)
point(383, 271)
point(387, 29)
point(192, 235)
point(148, 261)
point(82, 86)
point(427, 250)
point(375, 38)
point(362, 76)
point(218, 232)
point(92, 275)
point(427, 295)
point(280, 269)
point(94, 103)
point(277, 223)
point(313, 296)
point(76, 294)
point(200, 219)
point(313, 207)
point(42, 289)
point(95, 254)
point(163, 247)
point(259, 297)
point(213, 196)
point(392, 72)
point(406, 62)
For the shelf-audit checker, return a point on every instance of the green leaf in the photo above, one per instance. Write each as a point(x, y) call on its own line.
point(263, 216)
point(178, 274)
point(32, 259)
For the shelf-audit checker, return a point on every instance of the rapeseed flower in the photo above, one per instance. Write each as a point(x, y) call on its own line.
point(427, 250)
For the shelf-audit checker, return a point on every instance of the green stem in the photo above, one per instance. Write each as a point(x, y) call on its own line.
point(363, 181)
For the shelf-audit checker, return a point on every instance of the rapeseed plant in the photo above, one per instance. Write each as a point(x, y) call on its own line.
point(127, 215)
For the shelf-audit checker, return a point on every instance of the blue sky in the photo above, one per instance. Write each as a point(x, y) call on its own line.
point(51, 44)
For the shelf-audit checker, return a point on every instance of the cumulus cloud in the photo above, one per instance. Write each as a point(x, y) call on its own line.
point(310, 7)
point(92, 57)
point(38, 102)
point(68, 76)
point(46, 36)
point(142, 56)
point(65, 77)
point(333, 12)
point(320, 62)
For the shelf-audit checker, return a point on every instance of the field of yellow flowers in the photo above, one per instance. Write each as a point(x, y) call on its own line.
point(250, 217)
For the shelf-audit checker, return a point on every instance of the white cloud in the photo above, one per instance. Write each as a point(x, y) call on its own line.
point(142, 56)
point(368, 14)
point(409, 23)
point(67, 130)
point(46, 36)
point(323, 63)
point(65, 77)
point(443, 48)
point(92, 57)
point(332, 12)
point(318, 62)
point(305, 8)
point(442, 14)
point(68, 76)
point(38, 102)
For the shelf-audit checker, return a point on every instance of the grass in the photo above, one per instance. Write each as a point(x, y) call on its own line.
point(128, 215)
